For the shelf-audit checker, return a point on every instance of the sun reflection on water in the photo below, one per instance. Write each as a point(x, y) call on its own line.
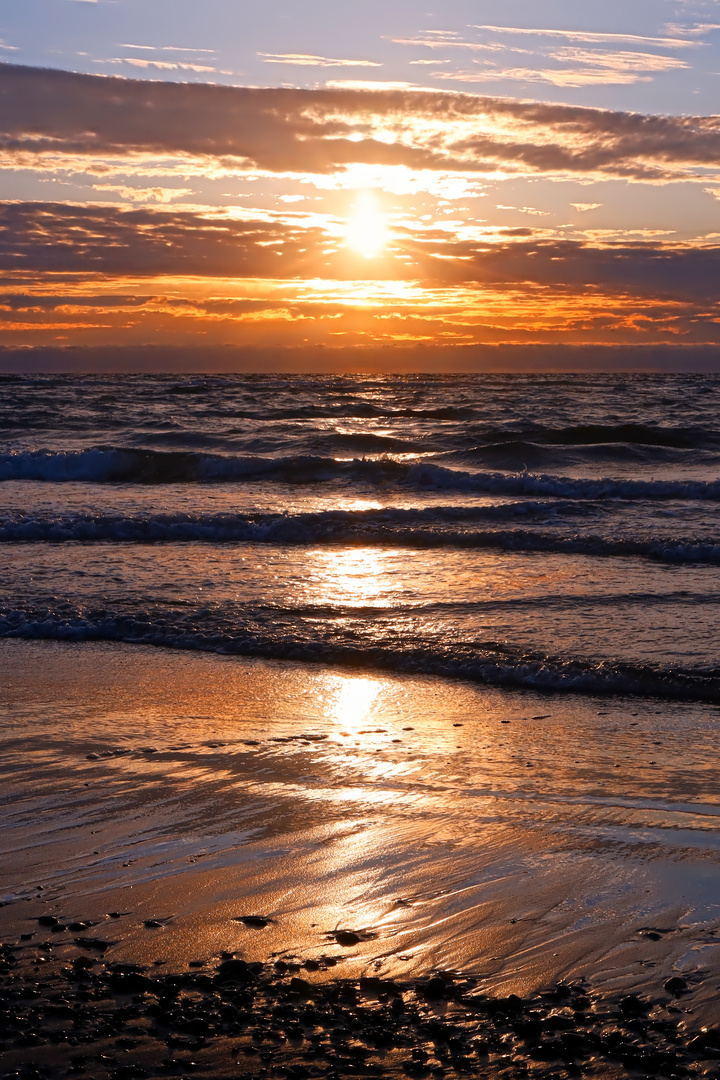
point(352, 577)
point(353, 702)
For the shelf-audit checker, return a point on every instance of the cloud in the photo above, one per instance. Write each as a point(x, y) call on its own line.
point(621, 60)
point(580, 76)
point(677, 272)
point(154, 194)
point(40, 238)
point(308, 60)
point(166, 48)
point(47, 114)
point(698, 30)
point(524, 210)
point(592, 36)
point(45, 302)
point(55, 237)
point(591, 67)
point(369, 85)
point(455, 43)
point(583, 207)
point(160, 65)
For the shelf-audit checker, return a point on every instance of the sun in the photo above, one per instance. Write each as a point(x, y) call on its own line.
point(366, 230)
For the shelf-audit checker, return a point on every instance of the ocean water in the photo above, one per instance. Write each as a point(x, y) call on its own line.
point(550, 532)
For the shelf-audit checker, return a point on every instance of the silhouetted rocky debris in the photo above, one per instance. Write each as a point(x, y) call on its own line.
point(109, 1021)
point(676, 986)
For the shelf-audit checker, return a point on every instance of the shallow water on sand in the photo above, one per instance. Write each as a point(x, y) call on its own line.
point(517, 836)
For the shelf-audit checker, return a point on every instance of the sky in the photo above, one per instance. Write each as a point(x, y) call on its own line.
point(301, 176)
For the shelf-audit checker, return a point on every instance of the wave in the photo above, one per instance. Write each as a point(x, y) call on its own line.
point(119, 465)
point(427, 475)
point(432, 527)
point(678, 438)
point(290, 638)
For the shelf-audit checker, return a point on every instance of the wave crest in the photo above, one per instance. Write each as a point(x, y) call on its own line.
point(293, 639)
point(119, 465)
point(428, 528)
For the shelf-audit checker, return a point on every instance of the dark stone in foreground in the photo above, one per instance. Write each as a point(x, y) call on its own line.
point(346, 938)
point(120, 1022)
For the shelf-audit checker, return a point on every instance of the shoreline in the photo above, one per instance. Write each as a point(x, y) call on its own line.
point(511, 838)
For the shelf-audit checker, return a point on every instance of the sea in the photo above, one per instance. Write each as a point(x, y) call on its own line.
point(558, 533)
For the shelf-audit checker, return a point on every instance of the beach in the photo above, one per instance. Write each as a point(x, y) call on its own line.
point(315, 678)
point(519, 839)
point(359, 546)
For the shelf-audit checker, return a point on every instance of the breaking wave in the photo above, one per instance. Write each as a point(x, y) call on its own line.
point(292, 638)
point(119, 465)
point(427, 528)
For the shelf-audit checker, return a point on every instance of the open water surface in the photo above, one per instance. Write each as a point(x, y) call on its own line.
point(553, 532)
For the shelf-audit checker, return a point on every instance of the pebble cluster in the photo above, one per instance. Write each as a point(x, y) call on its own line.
point(296, 1020)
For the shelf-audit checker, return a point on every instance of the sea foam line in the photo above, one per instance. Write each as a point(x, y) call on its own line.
point(494, 665)
point(118, 465)
point(427, 528)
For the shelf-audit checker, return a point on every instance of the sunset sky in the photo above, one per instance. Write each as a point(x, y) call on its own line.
point(302, 176)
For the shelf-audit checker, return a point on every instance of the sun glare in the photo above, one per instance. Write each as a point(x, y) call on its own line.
point(366, 229)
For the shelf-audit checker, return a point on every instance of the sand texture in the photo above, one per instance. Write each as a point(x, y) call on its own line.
point(164, 813)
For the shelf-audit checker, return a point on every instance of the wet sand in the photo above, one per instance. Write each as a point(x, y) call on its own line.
point(517, 840)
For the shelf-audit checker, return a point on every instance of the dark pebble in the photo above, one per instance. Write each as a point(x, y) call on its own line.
point(346, 938)
point(436, 988)
point(237, 971)
point(256, 921)
point(127, 981)
point(633, 1006)
point(676, 986)
point(93, 943)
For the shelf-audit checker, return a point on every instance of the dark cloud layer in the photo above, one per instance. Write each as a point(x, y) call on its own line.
point(42, 302)
point(56, 238)
point(60, 238)
point(291, 130)
point(430, 358)
point(680, 271)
